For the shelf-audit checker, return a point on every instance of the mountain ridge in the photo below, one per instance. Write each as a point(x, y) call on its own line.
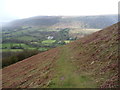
point(48, 21)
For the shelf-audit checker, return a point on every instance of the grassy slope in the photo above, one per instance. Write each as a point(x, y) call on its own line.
point(88, 62)
point(66, 76)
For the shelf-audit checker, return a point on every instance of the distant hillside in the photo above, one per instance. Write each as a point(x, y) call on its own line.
point(97, 22)
point(91, 62)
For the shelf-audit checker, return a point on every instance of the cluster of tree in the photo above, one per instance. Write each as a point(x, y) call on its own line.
point(63, 34)
point(12, 57)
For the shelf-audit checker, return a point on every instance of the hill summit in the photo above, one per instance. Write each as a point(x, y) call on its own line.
point(91, 62)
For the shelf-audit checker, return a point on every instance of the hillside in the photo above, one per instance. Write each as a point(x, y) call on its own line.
point(65, 21)
point(91, 62)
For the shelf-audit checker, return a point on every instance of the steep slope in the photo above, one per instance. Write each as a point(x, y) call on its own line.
point(90, 62)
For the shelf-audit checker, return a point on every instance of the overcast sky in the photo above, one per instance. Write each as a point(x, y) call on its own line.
point(14, 9)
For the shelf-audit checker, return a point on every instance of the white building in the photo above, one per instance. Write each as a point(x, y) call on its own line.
point(50, 37)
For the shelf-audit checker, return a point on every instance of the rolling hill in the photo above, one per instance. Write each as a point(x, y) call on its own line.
point(90, 62)
point(99, 22)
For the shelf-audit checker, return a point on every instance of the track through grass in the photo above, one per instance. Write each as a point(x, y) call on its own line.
point(66, 75)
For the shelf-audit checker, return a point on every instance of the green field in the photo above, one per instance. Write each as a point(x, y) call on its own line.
point(26, 38)
point(12, 50)
point(48, 41)
point(67, 41)
point(8, 45)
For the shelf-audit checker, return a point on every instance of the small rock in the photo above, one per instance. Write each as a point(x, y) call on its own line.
point(92, 62)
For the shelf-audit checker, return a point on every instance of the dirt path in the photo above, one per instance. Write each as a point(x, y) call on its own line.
point(66, 76)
